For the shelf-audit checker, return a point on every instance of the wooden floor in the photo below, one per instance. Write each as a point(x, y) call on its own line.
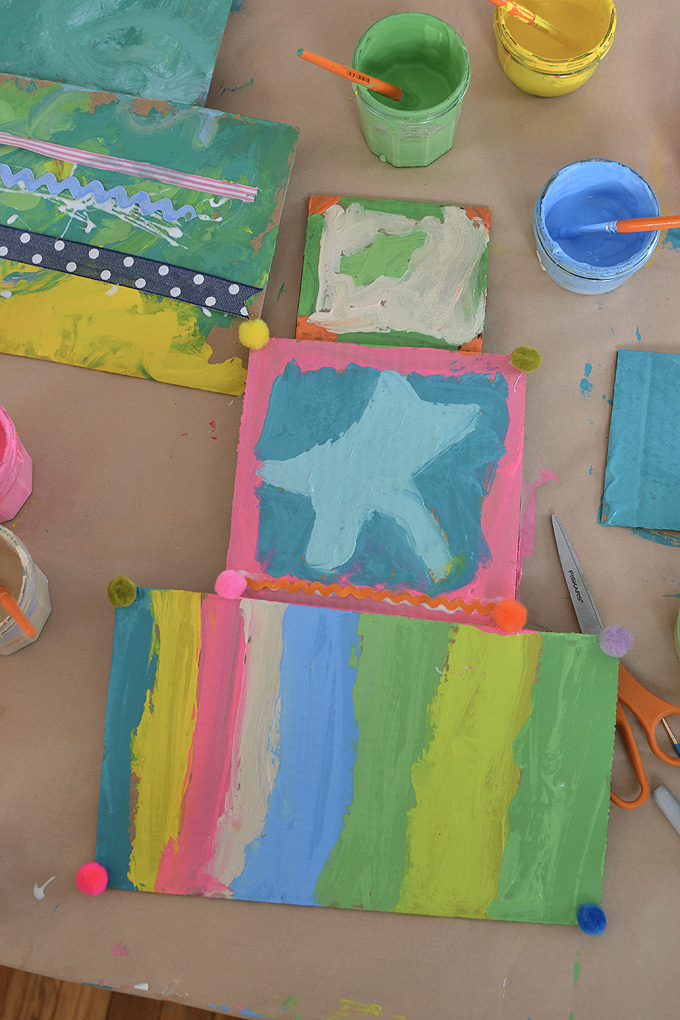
point(31, 997)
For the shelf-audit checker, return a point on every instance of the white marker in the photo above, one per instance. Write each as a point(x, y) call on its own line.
point(669, 805)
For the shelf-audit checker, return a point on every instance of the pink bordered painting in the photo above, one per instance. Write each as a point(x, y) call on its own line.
point(366, 473)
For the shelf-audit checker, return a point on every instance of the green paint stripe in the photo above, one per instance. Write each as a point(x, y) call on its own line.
point(414, 210)
point(554, 854)
point(309, 286)
point(396, 680)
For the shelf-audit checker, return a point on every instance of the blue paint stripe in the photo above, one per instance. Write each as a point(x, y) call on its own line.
point(133, 673)
point(317, 752)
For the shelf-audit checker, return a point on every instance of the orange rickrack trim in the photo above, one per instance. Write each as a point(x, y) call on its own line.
point(378, 595)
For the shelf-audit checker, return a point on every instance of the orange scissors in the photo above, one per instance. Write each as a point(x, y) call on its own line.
point(649, 710)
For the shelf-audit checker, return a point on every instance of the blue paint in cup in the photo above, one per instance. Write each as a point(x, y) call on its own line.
point(593, 191)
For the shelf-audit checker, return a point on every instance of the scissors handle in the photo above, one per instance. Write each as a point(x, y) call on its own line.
point(636, 760)
point(648, 710)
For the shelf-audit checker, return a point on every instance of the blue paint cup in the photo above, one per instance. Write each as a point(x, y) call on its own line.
point(593, 191)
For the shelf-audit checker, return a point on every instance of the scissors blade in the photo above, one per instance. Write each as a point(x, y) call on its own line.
point(584, 606)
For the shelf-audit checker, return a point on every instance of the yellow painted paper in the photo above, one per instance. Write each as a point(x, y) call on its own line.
point(79, 322)
point(467, 777)
point(161, 744)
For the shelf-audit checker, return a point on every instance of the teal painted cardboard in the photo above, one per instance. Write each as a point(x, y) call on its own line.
point(234, 237)
point(144, 47)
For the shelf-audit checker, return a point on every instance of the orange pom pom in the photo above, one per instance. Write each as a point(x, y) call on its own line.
point(510, 615)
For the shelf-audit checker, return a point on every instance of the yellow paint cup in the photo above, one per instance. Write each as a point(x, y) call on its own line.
point(553, 64)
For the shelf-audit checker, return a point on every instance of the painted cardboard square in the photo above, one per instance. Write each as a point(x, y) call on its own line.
point(87, 322)
point(387, 273)
point(294, 754)
point(642, 477)
point(359, 473)
point(166, 51)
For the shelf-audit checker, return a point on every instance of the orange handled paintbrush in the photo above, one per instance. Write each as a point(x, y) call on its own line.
point(636, 226)
point(375, 84)
point(10, 606)
point(517, 11)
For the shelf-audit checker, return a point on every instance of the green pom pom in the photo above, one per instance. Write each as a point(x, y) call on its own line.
point(122, 591)
point(526, 359)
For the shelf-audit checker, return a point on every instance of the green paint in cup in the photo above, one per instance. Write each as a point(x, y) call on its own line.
point(427, 59)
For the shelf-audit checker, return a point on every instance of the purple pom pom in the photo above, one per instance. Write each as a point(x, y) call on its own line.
point(616, 641)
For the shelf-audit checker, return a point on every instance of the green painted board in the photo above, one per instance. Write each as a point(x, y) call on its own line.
point(70, 319)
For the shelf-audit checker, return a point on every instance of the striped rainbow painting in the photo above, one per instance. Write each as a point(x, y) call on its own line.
point(296, 754)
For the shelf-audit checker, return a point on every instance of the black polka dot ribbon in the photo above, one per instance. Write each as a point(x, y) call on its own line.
point(115, 267)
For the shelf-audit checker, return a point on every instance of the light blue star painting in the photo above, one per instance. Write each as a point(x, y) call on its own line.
point(377, 478)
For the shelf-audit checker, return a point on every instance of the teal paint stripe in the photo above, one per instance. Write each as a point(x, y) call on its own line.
point(133, 673)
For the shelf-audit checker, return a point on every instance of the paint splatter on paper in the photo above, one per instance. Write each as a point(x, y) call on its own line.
point(292, 754)
point(86, 322)
point(642, 477)
point(39, 890)
point(527, 530)
point(356, 470)
point(388, 273)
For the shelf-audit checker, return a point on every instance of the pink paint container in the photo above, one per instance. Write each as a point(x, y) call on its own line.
point(27, 585)
point(16, 470)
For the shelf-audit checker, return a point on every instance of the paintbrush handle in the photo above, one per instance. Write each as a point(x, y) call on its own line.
point(517, 11)
point(636, 226)
point(374, 84)
point(10, 606)
point(651, 223)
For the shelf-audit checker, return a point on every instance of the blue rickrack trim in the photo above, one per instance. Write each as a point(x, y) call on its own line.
point(95, 188)
point(113, 267)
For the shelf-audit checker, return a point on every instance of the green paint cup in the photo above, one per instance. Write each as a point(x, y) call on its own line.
point(425, 58)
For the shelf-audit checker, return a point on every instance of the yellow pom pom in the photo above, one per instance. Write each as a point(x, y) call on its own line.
point(122, 591)
point(526, 359)
point(254, 333)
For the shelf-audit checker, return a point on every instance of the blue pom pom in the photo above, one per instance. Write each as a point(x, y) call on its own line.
point(616, 641)
point(591, 919)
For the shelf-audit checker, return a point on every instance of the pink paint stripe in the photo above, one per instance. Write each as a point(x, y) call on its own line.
point(244, 192)
point(182, 867)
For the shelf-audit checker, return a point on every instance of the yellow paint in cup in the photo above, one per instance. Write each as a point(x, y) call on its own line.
point(543, 64)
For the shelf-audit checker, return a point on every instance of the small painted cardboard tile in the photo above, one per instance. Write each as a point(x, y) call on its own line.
point(391, 273)
point(357, 473)
point(642, 477)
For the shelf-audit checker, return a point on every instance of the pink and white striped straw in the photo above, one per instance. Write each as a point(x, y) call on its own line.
point(244, 192)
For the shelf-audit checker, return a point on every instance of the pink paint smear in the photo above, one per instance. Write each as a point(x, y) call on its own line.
point(527, 527)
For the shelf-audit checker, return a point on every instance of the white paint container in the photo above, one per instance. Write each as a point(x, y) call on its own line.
point(28, 586)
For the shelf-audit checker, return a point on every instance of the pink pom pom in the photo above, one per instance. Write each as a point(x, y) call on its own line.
point(616, 641)
point(230, 584)
point(92, 878)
